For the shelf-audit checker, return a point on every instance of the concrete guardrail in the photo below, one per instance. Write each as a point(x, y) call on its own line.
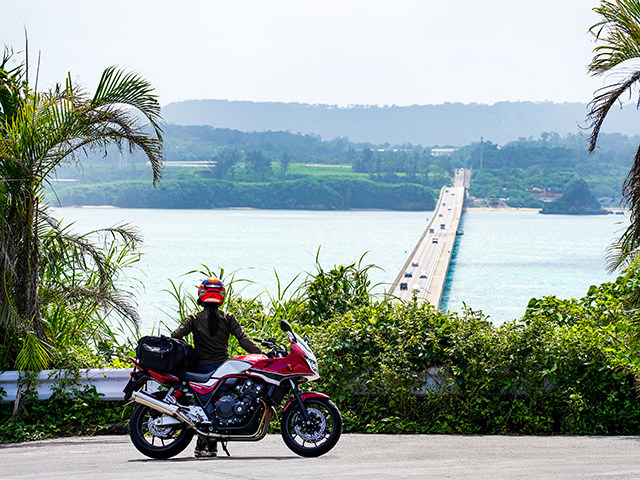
point(108, 381)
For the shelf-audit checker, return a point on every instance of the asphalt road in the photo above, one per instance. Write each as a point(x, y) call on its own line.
point(355, 457)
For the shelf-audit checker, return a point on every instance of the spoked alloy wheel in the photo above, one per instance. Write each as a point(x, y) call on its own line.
point(154, 439)
point(320, 435)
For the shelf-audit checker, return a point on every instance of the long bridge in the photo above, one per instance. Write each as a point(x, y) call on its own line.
point(425, 271)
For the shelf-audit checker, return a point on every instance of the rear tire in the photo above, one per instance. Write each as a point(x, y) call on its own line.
point(157, 441)
point(318, 438)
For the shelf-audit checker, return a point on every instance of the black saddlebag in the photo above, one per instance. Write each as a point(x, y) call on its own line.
point(165, 354)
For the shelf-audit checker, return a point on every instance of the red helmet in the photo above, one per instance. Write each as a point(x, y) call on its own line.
point(211, 291)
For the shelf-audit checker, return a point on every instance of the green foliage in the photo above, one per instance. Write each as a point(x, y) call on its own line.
point(513, 172)
point(566, 367)
point(548, 164)
point(307, 193)
point(71, 410)
point(615, 55)
point(327, 294)
point(576, 200)
point(48, 277)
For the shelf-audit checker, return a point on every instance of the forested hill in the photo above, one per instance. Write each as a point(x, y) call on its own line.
point(446, 124)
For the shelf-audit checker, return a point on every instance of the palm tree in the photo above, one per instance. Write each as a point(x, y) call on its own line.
point(39, 131)
point(618, 42)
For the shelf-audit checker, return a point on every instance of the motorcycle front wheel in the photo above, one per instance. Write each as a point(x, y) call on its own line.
point(317, 438)
point(154, 439)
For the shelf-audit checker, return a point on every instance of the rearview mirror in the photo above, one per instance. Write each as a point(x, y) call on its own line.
point(284, 326)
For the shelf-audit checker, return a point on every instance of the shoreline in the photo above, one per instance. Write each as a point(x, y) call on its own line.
point(486, 209)
point(501, 208)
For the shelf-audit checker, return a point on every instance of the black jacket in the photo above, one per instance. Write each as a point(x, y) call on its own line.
point(211, 329)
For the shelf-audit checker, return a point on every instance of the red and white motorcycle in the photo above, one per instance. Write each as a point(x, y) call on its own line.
point(237, 402)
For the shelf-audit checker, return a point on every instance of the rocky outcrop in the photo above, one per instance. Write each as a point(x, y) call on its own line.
point(577, 200)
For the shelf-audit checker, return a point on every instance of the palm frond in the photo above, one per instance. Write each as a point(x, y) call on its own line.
point(34, 355)
point(618, 34)
point(603, 102)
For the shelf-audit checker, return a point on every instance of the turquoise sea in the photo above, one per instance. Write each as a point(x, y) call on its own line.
point(503, 259)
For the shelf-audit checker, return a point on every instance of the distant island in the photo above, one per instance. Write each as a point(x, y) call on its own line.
point(211, 167)
point(577, 200)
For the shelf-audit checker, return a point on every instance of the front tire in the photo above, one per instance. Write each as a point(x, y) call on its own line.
point(157, 441)
point(319, 437)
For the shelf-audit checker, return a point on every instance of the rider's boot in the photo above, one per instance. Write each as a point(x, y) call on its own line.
point(205, 448)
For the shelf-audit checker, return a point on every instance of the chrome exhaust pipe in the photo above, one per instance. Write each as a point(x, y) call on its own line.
point(162, 407)
point(175, 412)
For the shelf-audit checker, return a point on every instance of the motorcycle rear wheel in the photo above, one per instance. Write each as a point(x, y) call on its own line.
point(157, 442)
point(316, 439)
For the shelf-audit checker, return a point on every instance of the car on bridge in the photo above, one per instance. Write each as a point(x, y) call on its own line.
point(403, 286)
point(408, 274)
point(423, 274)
point(414, 264)
point(435, 240)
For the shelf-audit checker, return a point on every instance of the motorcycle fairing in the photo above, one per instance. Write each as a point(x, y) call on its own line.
point(233, 366)
point(303, 397)
point(163, 379)
point(274, 370)
point(251, 357)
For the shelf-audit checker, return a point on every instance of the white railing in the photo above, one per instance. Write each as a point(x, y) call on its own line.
point(108, 381)
point(111, 381)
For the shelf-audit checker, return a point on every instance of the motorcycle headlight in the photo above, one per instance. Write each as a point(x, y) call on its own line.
point(313, 365)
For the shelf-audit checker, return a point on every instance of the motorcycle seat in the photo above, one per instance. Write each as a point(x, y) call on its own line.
point(197, 377)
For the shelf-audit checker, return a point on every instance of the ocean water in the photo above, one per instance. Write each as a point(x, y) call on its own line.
point(503, 259)
point(255, 244)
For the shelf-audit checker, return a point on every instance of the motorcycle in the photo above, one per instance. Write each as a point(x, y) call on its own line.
point(236, 402)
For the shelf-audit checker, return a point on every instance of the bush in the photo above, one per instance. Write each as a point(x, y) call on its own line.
point(72, 410)
point(566, 367)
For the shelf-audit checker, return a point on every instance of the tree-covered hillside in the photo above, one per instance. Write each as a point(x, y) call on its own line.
point(448, 123)
point(515, 174)
point(525, 168)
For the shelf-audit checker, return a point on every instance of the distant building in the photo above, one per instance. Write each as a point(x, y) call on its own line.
point(544, 195)
point(443, 152)
point(548, 197)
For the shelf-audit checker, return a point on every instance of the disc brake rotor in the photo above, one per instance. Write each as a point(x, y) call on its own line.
point(156, 428)
point(313, 432)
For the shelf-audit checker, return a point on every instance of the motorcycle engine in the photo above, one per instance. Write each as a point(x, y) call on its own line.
point(234, 407)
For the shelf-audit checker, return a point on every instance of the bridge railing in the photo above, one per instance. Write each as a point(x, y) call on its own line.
point(407, 262)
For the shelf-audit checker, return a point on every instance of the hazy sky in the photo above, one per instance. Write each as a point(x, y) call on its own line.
point(336, 52)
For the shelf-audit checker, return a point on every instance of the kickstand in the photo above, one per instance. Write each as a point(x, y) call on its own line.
point(224, 447)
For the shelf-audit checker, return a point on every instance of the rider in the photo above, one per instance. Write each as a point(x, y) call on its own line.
point(211, 329)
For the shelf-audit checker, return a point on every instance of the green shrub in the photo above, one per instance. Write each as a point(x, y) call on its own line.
point(567, 367)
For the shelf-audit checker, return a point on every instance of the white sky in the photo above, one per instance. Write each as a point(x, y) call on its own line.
point(336, 52)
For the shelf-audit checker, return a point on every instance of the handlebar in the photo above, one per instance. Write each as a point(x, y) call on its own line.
point(277, 350)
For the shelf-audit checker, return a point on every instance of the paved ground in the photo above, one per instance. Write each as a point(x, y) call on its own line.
point(355, 457)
